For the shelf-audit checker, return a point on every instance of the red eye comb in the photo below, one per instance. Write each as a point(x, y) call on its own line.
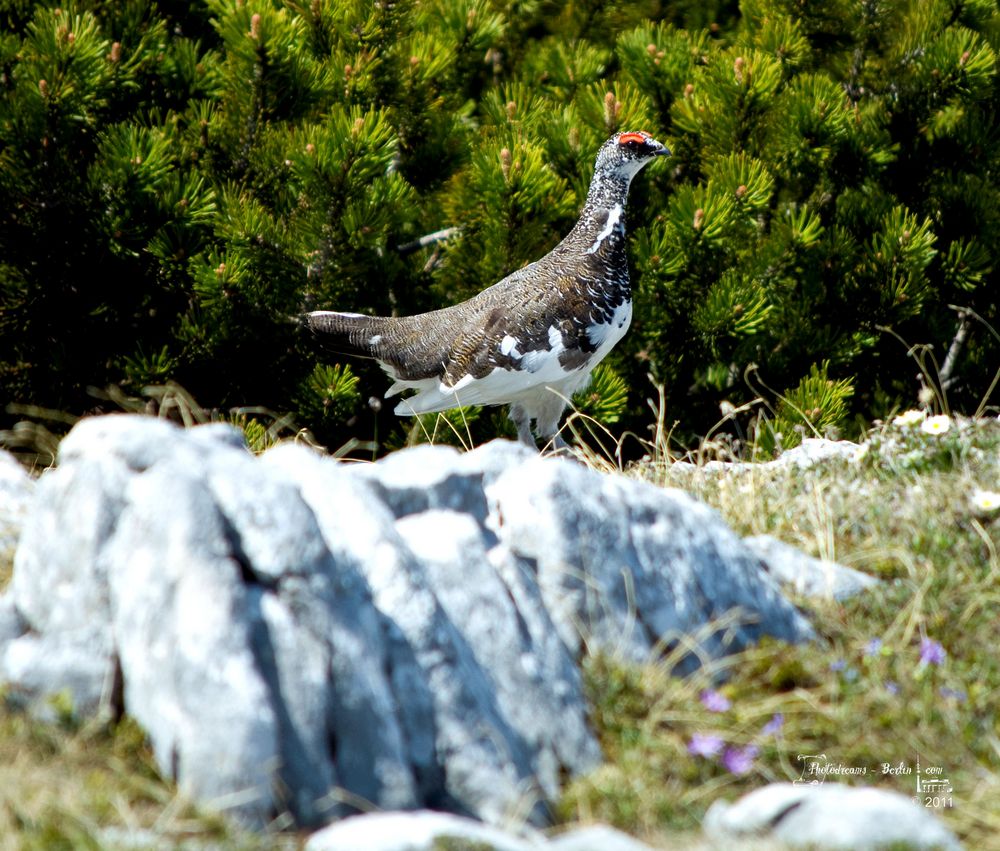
point(639, 137)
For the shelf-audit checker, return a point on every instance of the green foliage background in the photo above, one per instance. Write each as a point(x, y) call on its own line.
point(177, 179)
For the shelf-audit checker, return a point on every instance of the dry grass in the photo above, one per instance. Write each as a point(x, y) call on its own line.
point(96, 787)
point(6, 568)
point(904, 513)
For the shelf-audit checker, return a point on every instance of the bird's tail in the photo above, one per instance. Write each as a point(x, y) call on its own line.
point(348, 333)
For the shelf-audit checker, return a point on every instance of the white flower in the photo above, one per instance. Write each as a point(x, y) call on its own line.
point(909, 418)
point(936, 425)
point(985, 501)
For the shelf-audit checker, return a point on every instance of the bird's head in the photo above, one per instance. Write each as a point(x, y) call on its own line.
point(624, 154)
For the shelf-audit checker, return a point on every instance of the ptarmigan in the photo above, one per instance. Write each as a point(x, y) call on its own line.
point(529, 341)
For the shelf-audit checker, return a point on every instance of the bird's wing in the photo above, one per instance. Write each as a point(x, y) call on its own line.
point(522, 320)
point(509, 339)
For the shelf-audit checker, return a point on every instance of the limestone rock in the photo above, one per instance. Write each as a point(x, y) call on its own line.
point(816, 450)
point(60, 590)
point(805, 575)
point(430, 831)
point(626, 567)
point(43, 672)
point(298, 635)
point(810, 452)
point(16, 487)
point(829, 816)
point(595, 837)
point(507, 705)
point(417, 831)
point(11, 624)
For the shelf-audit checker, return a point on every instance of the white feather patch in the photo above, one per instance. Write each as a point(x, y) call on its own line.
point(545, 362)
point(607, 334)
point(508, 347)
point(614, 220)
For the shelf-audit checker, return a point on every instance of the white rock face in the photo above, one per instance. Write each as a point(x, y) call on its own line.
point(418, 831)
point(828, 816)
point(805, 575)
point(812, 451)
point(430, 831)
point(625, 567)
point(298, 635)
point(16, 487)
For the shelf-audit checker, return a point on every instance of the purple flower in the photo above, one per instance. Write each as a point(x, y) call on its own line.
point(739, 760)
point(705, 744)
point(931, 653)
point(838, 665)
point(774, 725)
point(892, 688)
point(873, 647)
point(713, 701)
point(956, 694)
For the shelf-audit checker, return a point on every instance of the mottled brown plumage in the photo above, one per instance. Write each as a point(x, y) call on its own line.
point(530, 340)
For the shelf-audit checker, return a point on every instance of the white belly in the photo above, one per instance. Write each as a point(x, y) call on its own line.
point(539, 371)
point(607, 335)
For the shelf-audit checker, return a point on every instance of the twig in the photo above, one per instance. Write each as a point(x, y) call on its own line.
point(429, 239)
point(950, 359)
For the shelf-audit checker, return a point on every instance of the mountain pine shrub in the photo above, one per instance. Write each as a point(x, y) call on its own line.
point(177, 181)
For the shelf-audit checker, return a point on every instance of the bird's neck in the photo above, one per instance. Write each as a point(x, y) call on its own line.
point(607, 191)
point(601, 226)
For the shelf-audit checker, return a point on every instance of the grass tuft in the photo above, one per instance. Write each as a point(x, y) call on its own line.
point(96, 786)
